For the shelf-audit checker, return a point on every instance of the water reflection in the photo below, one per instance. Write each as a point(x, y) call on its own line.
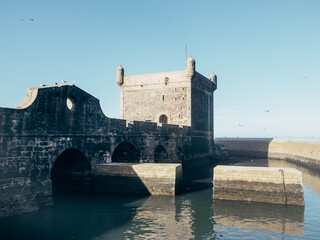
point(251, 217)
point(190, 215)
point(310, 178)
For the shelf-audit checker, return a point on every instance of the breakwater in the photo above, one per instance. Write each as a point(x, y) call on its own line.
point(305, 152)
point(258, 184)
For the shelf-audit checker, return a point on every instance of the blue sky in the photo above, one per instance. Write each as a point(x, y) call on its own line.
point(266, 54)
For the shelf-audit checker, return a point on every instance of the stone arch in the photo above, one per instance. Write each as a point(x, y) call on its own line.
point(125, 152)
point(163, 119)
point(71, 171)
point(160, 155)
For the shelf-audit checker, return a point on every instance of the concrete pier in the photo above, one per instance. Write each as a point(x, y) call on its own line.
point(140, 179)
point(258, 184)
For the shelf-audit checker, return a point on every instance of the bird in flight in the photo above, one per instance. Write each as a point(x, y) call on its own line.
point(304, 77)
point(27, 19)
point(268, 110)
point(241, 125)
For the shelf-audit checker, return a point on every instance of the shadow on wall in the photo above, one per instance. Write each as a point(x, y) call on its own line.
point(126, 152)
point(160, 155)
point(71, 172)
point(119, 178)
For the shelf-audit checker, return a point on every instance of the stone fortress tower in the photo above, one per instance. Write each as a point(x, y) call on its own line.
point(179, 97)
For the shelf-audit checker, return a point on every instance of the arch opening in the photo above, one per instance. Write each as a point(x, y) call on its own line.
point(160, 155)
point(71, 172)
point(126, 152)
point(163, 119)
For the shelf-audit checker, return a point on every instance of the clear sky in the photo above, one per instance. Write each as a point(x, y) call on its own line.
point(266, 54)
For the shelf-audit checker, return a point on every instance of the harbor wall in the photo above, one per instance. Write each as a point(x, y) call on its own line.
point(305, 152)
point(139, 179)
point(258, 184)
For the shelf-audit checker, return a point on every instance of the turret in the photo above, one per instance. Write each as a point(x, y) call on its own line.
point(120, 75)
point(214, 79)
point(190, 67)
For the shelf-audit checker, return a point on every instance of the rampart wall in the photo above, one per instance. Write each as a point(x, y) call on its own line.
point(60, 119)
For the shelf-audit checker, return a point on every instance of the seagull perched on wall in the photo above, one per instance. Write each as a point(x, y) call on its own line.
point(73, 82)
point(55, 83)
point(42, 85)
point(63, 81)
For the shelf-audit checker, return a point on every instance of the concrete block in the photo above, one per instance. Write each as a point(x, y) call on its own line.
point(258, 184)
point(140, 179)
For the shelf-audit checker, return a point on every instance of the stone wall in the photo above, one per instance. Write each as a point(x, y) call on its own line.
point(141, 179)
point(55, 119)
point(305, 152)
point(258, 184)
point(147, 97)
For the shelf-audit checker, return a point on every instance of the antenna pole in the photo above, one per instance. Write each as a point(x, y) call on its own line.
point(185, 50)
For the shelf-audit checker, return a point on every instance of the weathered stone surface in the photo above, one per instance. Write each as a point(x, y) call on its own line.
point(35, 135)
point(54, 123)
point(183, 97)
point(142, 179)
point(258, 184)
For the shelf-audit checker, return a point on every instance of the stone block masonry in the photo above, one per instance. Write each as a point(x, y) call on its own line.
point(139, 179)
point(258, 184)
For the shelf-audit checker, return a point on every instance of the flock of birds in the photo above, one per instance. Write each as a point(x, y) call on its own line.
point(55, 83)
point(242, 125)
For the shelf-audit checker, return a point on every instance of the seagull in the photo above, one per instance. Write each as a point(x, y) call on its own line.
point(55, 83)
point(304, 77)
point(63, 81)
point(73, 82)
point(241, 125)
point(26, 19)
point(42, 85)
point(268, 110)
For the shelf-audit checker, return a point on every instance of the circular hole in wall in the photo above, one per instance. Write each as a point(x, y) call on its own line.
point(70, 103)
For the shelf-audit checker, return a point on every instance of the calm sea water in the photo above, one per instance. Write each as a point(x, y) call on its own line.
point(190, 215)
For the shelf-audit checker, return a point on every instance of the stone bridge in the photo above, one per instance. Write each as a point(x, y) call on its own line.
point(59, 133)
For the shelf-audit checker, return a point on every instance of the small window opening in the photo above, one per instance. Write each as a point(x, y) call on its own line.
point(162, 97)
point(70, 103)
point(163, 119)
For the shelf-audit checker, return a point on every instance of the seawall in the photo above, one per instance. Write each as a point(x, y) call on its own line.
point(139, 179)
point(305, 152)
point(258, 184)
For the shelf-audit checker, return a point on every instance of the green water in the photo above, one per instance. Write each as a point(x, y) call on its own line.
point(190, 215)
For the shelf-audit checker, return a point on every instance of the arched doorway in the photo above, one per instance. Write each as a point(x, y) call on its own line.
point(163, 119)
point(160, 155)
point(71, 172)
point(125, 152)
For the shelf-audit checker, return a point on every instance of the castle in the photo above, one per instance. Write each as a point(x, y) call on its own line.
point(179, 97)
point(59, 136)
